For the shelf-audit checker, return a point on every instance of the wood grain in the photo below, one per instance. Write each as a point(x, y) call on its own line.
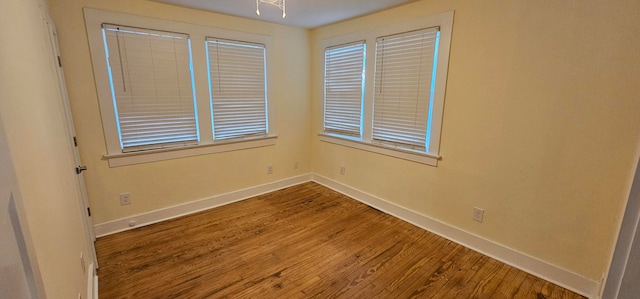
point(305, 241)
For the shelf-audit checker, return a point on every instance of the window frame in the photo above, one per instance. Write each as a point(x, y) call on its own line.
point(432, 155)
point(94, 19)
point(122, 86)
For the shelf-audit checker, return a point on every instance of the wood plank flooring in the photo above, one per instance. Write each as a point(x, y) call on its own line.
point(305, 241)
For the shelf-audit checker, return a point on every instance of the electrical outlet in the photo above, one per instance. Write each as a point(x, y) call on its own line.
point(296, 164)
point(269, 169)
point(343, 170)
point(125, 199)
point(478, 214)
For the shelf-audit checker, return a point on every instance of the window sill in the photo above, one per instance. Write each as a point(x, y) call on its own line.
point(414, 156)
point(140, 157)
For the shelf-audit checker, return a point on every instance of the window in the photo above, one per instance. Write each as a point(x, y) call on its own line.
point(344, 89)
point(238, 91)
point(168, 90)
point(151, 83)
point(403, 100)
point(403, 92)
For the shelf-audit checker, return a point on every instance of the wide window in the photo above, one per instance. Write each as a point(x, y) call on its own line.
point(151, 81)
point(168, 90)
point(344, 89)
point(400, 99)
point(238, 88)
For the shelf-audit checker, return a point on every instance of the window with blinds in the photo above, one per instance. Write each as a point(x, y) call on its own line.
point(152, 87)
point(238, 88)
point(404, 88)
point(344, 89)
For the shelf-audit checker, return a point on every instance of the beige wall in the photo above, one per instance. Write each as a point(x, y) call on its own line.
point(39, 149)
point(540, 126)
point(162, 184)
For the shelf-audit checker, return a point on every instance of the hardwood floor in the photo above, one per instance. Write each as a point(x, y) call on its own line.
point(305, 241)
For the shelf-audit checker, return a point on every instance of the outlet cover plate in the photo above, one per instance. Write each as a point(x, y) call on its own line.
point(125, 199)
point(478, 214)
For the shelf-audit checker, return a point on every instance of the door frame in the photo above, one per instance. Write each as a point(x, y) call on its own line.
point(625, 243)
point(72, 141)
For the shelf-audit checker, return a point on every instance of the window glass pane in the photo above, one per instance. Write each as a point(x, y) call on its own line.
point(404, 75)
point(238, 88)
point(344, 89)
point(151, 84)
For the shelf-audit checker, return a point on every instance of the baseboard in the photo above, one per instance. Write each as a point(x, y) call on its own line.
point(522, 261)
point(122, 224)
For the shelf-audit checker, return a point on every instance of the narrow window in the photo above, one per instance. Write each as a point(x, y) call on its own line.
point(238, 89)
point(404, 88)
point(344, 89)
point(152, 87)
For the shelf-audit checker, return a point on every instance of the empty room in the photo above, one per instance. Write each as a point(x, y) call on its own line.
point(319, 149)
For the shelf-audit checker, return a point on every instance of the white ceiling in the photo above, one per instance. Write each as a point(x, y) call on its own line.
point(300, 13)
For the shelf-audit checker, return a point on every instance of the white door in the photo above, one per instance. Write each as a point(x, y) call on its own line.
point(17, 278)
point(73, 143)
point(624, 272)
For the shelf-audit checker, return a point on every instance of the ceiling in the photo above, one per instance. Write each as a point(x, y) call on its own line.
point(300, 13)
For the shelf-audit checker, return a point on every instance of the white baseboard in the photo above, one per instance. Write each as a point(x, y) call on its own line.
point(522, 261)
point(122, 224)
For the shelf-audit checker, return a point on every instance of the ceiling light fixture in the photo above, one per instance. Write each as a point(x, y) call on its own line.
point(278, 3)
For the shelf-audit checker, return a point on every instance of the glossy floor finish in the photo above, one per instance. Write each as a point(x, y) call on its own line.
point(305, 241)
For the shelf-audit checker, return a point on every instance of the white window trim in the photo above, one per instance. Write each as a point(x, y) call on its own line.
point(402, 153)
point(95, 18)
point(432, 156)
point(194, 150)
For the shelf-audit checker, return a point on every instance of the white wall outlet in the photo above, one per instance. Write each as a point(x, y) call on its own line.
point(296, 164)
point(343, 170)
point(269, 169)
point(478, 214)
point(125, 199)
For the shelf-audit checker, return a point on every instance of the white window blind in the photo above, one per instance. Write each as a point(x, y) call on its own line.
point(344, 89)
point(152, 87)
point(403, 91)
point(238, 88)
